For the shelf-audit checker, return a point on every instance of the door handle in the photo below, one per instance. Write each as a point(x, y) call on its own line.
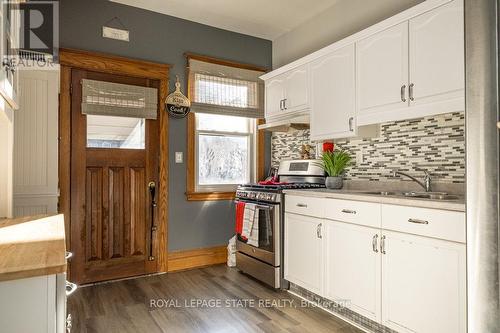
point(152, 192)
point(403, 93)
point(68, 255)
point(417, 221)
point(374, 243)
point(281, 105)
point(318, 231)
point(284, 104)
point(351, 119)
point(411, 92)
point(382, 244)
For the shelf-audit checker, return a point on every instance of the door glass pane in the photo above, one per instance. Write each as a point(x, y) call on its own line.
point(116, 132)
point(213, 122)
point(223, 159)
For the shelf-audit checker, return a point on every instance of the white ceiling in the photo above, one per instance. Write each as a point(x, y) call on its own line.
point(267, 19)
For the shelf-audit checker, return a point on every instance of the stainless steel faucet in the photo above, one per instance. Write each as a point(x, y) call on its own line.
point(427, 179)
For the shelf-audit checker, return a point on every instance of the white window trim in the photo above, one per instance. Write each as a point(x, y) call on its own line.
point(252, 142)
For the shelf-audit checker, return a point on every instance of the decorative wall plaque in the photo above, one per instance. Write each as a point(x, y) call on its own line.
point(178, 105)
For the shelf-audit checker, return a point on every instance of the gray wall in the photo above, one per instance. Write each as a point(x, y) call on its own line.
point(164, 39)
point(342, 19)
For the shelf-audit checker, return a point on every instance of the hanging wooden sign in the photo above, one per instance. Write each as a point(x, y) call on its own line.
point(178, 105)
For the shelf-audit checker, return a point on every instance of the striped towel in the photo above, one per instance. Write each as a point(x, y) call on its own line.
point(250, 226)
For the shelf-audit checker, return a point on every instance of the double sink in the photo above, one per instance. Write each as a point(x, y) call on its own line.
point(443, 196)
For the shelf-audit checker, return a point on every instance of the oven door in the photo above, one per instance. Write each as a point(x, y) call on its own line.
point(268, 217)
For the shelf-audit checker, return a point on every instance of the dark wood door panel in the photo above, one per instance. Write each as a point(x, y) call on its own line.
point(110, 204)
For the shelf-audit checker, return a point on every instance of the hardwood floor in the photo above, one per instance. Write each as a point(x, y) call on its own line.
point(125, 306)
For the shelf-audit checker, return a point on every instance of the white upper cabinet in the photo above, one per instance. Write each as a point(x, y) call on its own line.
point(275, 94)
point(382, 72)
point(436, 56)
point(423, 284)
point(353, 267)
point(10, 21)
point(287, 93)
point(304, 251)
point(296, 90)
point(333, 101)
point(408, 66)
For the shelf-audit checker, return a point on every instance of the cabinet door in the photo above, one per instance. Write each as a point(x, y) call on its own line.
point(296, 89)
point(382, 73)
point(353, 267)
point(437, 57)
point(333, 104)
point(304, 252)
point(274, 96)
point(423, 283)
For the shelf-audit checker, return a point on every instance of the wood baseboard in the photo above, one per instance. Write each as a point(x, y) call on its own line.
point(189, 259)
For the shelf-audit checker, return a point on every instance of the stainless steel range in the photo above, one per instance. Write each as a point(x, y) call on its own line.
point(264, 262)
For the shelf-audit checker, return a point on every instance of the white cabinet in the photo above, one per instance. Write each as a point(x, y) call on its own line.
point(423, 284)
point(413, 69)
point(382, 71)
point(35, 305)
point(304, 251)
point(35, 144)
point(401, 266)
point(353, 267)
point(275, 94)
point(333, 100)
point(436, 56)
point(287, 93)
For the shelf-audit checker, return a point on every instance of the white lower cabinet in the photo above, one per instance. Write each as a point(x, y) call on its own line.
point(423, 284)
point(352, 267)
point(403, 267)
point(304, 251)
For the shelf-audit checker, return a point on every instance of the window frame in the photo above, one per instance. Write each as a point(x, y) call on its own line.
point(251, 144)
point(219, 193)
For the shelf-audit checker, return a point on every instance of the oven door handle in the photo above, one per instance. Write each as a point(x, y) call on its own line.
point(256, 205)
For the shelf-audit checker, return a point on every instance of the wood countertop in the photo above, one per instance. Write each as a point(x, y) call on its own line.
point(32, 246)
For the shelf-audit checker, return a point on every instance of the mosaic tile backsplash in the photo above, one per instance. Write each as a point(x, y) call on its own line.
point(435, 144)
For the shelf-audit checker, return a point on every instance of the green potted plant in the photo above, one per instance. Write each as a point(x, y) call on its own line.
point(334, 163)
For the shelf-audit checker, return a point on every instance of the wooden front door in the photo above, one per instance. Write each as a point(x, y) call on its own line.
point(112, 215)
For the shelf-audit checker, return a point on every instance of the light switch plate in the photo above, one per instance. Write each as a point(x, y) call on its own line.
point(178, 157)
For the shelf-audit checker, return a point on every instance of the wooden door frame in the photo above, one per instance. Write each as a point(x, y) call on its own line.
point(70, 59)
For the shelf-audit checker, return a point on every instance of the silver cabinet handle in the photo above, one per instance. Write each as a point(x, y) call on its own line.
point(70, 288)
point(284, 104)
point(403, 93)
point(351, 119)
point(417, 221)
point(281, 105)
point(302, 205)
point(374, 243)
point(348, 211)
point(382, 244)
point(318, 230)
point(411, 92)
point(68, 255)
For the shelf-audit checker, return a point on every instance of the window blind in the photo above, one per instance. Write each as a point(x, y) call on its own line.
point(225, 90)
point(119, 100)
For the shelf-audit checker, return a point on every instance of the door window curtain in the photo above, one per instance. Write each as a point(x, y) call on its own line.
point(119, 100)
point(225, 90)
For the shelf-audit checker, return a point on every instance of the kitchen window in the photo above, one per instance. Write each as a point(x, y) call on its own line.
point(224, 146)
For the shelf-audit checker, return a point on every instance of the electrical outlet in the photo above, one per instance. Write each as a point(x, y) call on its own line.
point(178, 157)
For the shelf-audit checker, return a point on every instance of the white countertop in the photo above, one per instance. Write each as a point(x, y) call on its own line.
point(454, 205)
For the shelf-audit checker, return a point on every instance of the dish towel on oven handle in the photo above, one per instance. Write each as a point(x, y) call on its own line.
point(240, 211)
point(250, 228)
